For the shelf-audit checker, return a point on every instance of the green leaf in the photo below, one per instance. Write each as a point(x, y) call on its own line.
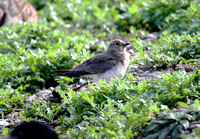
point(133, 9)
point(196, 103)
point(87, 98)
point(166, 131)
point(71, 93)
point(182, 104)
point(151, 128)
point(153, 136)
point(177, 130)
point(185, 124)
point(161, 122)
point(5, 131)
point(84, 95)
point(142, 85)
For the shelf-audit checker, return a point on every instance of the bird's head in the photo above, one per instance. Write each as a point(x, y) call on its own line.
point(118, 45)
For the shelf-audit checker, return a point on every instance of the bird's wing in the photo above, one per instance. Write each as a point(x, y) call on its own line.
point(97, 64)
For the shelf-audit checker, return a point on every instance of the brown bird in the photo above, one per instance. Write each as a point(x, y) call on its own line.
point(109, 64)
point(16, 11)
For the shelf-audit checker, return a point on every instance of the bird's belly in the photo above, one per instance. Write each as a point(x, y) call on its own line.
point(112, 73)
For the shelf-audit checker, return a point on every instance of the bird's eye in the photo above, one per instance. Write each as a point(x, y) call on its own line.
point(117, 44)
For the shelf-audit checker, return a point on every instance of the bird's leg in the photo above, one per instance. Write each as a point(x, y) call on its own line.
point(77, 88)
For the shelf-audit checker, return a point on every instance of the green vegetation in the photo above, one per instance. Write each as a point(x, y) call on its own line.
point(72, 31)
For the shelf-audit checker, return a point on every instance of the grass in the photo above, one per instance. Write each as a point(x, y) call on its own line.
point(70, 32)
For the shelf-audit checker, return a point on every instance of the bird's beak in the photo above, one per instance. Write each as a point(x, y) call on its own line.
point(126, 44)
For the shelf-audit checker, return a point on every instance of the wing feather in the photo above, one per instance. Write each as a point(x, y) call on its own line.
point(97, 64)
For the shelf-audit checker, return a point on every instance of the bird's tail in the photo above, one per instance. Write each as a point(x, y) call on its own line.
point(69, 73)
point(60, 73)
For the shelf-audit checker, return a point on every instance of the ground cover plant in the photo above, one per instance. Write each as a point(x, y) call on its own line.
point(143, 104)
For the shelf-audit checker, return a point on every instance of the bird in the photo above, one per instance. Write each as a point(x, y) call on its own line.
point(16, 11)
point(33, 130)
point(107, 65)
